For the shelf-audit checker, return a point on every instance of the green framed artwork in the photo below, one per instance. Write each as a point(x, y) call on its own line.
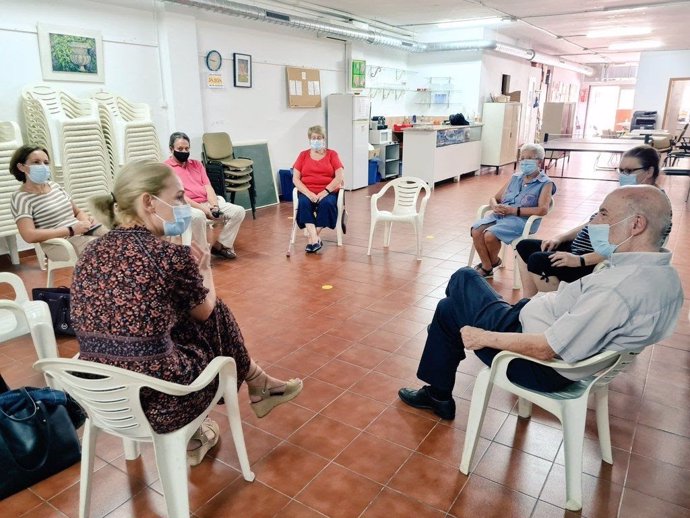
point(359, 73)
point(70, 54)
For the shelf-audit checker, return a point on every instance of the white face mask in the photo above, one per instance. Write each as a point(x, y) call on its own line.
point(39, 173)
point(317, 144)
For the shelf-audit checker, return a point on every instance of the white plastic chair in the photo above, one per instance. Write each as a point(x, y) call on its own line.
point(64, 258)
point(21, 316)
point(338, 224)
point(526, 232)
point(568, 405)
point(406, 189)
point(112, 404)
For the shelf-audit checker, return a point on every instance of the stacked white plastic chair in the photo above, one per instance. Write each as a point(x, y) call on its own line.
point(71, 131)
point(129, 130)
point(10, 140)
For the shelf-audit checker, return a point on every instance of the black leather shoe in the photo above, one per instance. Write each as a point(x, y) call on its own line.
point(422, 399)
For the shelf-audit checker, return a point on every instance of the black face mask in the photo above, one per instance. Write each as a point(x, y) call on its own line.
point(181, 156)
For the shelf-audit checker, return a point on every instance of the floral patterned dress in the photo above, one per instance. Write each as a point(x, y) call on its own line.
point(131, 297)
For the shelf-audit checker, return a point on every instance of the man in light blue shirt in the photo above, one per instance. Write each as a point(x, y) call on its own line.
point(632, 303)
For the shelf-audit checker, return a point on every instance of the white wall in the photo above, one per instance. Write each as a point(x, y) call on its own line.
point(653, 74)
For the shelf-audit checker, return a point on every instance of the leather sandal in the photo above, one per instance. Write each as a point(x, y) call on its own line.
point(270, 397)
point(487, 274)
point(205, 438)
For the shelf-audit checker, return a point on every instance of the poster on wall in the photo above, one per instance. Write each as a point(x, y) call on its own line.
point(70, 54)
point(243, 70)
point(359, 74)
point(215, 81)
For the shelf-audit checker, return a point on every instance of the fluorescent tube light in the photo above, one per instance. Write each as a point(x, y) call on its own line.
point(613, 32)
point(637, 45)
point(474, 22)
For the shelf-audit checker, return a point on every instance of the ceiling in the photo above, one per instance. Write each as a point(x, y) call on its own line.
point(554, 27)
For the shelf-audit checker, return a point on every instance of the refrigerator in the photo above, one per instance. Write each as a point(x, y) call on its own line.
point(347, 128)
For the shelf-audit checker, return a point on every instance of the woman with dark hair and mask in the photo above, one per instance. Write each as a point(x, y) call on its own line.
point(142, 303)
point(42, 209)
point(569, 256)
point(208, 209)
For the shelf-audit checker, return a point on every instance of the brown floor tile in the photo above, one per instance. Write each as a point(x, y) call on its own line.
point(662, 446)
point(534, 438)
point(328, 345)
point(339, 493)
point(391, 504)
point(340, 374)
point(429, 481)
point(446, 444)
point(399, 367)
point(354, 410)
point(244, 498)
point(401, 427)
point(288, 468)
point(317, 394)
point(639, 505)
point(51, 486)
point(666, 418)
point(324, 436)
point(482, 497)
point(600, 498)
point(373, 457)
point(110, 488)
point(378, 386)
point(297, 510)
point(364, 356)
point(283, 420)
point(592, 464)
point(545, 510)
point(384, 340)
point(145, 504)
point(304, 362)
point(514, 469)
point(658, 479)
point(19, 503)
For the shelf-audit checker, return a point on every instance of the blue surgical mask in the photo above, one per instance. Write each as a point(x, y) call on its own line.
point(627, 179)
point(317, 144)
point(528, 166)
point(39, 173)
point(183, 218)
point(599, 237)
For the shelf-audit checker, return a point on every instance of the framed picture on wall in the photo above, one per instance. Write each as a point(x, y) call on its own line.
point(70, 54)
point(243, 70)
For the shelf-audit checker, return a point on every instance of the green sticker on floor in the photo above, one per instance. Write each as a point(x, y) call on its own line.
point(326, 287)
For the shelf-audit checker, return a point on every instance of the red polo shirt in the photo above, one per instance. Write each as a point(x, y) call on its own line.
point(194, 179)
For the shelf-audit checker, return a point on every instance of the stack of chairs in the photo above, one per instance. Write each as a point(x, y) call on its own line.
point(70, 129)
point(10, 140)
point(238, 171)
point(129, 131)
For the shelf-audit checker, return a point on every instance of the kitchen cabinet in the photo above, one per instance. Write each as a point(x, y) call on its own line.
point(500, 133)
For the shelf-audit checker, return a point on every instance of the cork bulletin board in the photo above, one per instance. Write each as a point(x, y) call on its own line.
point(304, 87)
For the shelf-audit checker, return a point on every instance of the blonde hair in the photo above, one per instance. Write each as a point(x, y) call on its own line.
point(133, 180)
point(318, 130)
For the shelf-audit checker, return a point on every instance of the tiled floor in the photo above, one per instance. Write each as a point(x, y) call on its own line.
point(346, 447)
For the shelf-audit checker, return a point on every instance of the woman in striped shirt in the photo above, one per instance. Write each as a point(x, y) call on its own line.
point(570, 256)
point(42, 209)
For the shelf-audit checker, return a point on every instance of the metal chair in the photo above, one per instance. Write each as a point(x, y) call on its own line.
point(110, 397)
point(239, 173)
point(568, 405)
point(678, 171)
point(407, 190)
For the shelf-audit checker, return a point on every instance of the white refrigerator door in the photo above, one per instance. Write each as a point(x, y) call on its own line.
point(360, 154)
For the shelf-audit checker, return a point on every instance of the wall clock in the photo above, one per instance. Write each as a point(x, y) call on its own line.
point(214, 60)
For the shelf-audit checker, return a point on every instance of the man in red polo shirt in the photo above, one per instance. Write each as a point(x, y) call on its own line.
point(207, 207)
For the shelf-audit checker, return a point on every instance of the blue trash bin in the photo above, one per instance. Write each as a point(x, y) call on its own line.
point(286, 184)
point(373, 171)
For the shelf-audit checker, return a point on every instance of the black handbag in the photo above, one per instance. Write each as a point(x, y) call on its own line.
point(58, 300)
point(37, 438)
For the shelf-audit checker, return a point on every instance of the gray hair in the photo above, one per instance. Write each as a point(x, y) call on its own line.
point(536, 148)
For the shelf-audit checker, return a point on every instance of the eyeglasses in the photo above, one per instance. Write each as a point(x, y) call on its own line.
point(630, 171)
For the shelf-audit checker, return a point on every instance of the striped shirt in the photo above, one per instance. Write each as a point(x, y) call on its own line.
point(48, 211)
point(582, 245)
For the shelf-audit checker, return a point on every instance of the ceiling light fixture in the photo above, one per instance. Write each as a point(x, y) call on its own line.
point(637, 45)
point(474, 22)
point(613, 32)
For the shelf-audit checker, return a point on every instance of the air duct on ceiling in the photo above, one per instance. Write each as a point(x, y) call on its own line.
point(375, 37)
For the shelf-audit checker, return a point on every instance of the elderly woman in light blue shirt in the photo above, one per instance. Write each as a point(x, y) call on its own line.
point(528, 192)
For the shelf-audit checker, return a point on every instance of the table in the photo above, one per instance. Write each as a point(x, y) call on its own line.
point(590, 145)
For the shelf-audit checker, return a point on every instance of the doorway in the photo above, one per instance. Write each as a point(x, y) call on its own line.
point(609, 109)
point(677, 112)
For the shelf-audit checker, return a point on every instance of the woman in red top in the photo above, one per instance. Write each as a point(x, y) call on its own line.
point(317, 175)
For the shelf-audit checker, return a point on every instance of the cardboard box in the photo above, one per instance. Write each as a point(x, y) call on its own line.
point(514, 96)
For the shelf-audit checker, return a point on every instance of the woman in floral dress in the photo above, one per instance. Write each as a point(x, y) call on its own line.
point(142, 303)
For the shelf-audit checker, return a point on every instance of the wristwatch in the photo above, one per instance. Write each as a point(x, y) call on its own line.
point(582, 261)
point(71, 231)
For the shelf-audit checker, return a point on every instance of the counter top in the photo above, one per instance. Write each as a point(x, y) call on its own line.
point(440, 127)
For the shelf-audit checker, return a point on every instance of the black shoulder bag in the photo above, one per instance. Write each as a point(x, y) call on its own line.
point(58, 300)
